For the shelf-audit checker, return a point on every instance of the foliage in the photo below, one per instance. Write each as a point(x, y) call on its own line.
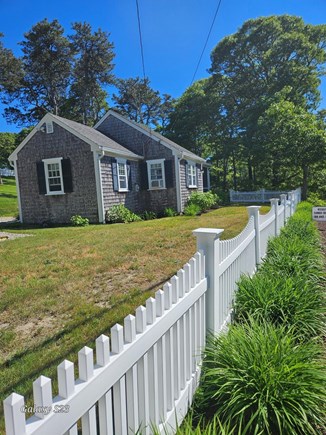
point(148, 215)
point(10, 70)
point(140, 103)
point(288, 287)
point(257, 379)
point(192, 210)
point(92, 70)
point(120, 214)
point(59, 74)
point(169, 212)
point(78, 221)
point(7, 146)
point(204, 200)
point(267, 59)
point(315, 200)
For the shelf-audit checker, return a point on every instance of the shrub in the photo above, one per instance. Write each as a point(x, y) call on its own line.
point(204, 200)
point(148, 215)
point(169, 212)
point(258, 380)
point(192, 210)
point(120, 214)
point(78, 221)
point(316, 200)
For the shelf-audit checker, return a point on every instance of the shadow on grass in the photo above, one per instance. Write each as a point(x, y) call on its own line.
point(65, 333)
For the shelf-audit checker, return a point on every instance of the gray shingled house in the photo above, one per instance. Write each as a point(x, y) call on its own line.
point(65, 168)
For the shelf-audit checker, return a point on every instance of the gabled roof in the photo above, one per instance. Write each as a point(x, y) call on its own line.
point(178, 149)
point(88, 134)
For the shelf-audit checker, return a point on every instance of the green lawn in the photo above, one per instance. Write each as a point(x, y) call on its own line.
point(62, 287)
point(8, 198)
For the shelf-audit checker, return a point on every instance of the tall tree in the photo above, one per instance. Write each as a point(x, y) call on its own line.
point(92, 71)
point(295, 139)
point(264, 56)
point(47, 58)
point(10, 71)
point(141, 103)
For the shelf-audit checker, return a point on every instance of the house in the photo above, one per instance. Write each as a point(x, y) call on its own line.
point(65, 168)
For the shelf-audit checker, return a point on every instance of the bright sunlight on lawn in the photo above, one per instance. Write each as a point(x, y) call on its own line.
point(8, 198)
point(63, 287)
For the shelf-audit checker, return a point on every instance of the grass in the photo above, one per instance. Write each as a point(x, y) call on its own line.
point(63, 287)
point(8, 198)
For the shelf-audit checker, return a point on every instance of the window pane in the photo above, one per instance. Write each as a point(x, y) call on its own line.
point(54, 177)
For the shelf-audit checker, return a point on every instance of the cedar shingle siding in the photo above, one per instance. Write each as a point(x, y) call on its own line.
point(39, 208)
point(141, 144)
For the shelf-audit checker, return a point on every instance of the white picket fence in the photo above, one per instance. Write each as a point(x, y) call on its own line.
point(5, 172)
point(146, 373)
point(258, 196)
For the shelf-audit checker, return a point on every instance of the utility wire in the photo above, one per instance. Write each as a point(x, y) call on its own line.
point(205, 45)
point(140, 40)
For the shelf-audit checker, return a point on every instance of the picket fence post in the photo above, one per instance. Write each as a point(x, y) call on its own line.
point(253, 210)
point(208, 242)
point(283, 201)
point(274, 203)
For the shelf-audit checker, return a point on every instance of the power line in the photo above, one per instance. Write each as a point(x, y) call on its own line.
point(140, 40)
point(205, 45)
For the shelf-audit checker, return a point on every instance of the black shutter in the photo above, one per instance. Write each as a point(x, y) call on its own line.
point(115, 174)
point(168, 173)
point(41, 178)
point(143, 176)
point(186, 173)
point(129, 175)
point(66, 175)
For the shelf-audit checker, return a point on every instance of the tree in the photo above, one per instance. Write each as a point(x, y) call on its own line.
point(10, 71)
point(47, 58)
point(140, 102)
point(265, 56)
point(92, 70)
point(294, 139)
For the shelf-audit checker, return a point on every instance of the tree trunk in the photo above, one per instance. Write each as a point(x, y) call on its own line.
point(305, 174)
point(235, 185)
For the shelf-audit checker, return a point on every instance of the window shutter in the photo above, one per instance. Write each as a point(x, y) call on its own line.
point(115, 175)
point(168, 173)
point(129, 175)
point(41, 178)
point(66, 175)
point(186, 170)
point(143, 176)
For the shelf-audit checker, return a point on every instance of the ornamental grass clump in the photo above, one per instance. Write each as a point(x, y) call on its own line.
point(258, 380)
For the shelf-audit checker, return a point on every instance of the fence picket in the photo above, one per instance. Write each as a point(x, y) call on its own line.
point(105, 412)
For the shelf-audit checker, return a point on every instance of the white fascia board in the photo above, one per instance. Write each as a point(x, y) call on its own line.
point(147, 133)
point(115, 153)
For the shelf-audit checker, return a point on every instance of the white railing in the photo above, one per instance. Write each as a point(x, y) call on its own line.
point(146, 373)
point(5, 172)
point(258, 196)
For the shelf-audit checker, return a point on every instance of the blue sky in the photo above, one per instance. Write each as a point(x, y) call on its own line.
point(174, 31)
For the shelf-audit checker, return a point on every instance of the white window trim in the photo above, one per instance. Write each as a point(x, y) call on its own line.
point(46, 170)
point(155, 162)
point(124, 163)
point(192, 165)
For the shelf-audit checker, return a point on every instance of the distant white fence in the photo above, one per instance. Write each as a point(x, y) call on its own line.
point(5, 172)
point(258, 196)
point(146, 373)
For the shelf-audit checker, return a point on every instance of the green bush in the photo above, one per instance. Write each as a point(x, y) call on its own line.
point(192, 210)
point(169, 212)
point(204, 200)
point(120, 214)
point(78, 221)
point(316, 200)
point(258, 380)
point(148, 215)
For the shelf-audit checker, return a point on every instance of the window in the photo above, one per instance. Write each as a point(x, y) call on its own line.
point(120, 174)
point(156, 175)
point(53, 176)
point(191, 175)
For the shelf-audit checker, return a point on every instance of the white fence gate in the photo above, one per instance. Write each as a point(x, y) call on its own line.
point(258, 196)
point(146, 373)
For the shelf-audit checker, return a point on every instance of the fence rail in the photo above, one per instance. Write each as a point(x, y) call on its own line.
point(5, 172)
point(146, 373)
point(259, 195)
